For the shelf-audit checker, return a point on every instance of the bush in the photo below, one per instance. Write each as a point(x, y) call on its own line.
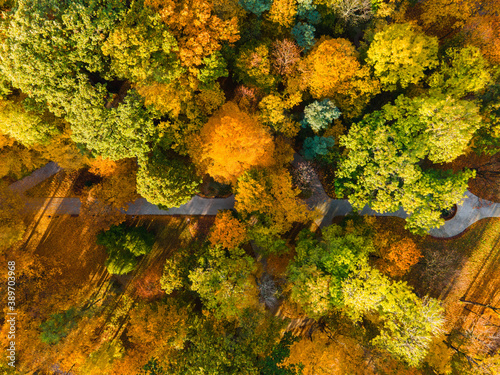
point(123, 246)
point(58, 326)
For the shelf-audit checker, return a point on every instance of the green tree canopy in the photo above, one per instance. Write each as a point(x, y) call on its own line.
point(27, 127)
point(123, 245)
point(408, 323)
point(167, 181)
point(223, 279)
point(437, 126)
point(319, 268)
point(142, 49)
point(382, 170)
point(45, 67)
point(115, 133)
point(463, 71)
point(217, 346)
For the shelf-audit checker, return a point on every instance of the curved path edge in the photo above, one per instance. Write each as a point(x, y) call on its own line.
point(469, 210)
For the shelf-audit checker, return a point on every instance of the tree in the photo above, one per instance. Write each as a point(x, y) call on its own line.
point(116, 133)
point(223, 279)
point(227, 231)
point(332, 70)
point(283, 12)
point(400, 54)
point(352, 11)
point(464, 71)
point(382, 171)
point(217, 346)
point(253, 66)
point(320, 267)
point(230, 143)
point(167, 181)
point(123, 246)
point(307, 11)
point(286, 55)
point(447, 14)
point(141, 48)
point(320, 114)
point(118, 185)
point(481, 30)
point(270, 196)
point(198, 29)
point(272, 364)
point(273, 113)
point(58, 326)
point(214, 67)
point(27, 127)
point(437, 126)
point(315, 146)
point(46, 68)
point(304, 35)
point(399, 257)
point(256, 7)
point(152, 334)
point(408, 323)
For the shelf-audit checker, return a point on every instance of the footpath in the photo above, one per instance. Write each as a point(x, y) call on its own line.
point(470, 210)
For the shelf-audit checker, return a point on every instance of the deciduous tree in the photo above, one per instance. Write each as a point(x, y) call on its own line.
point(408, 323)
point(167, 181)
point(319, 268)
point(141, 48)
point(227, 231)
point(27, 127)
point(198, 29)
point(464, 71)
point(230, 143)
point(320, 114)
point(400, 54)
point(270, 196)
point(123, 246)
point(333, 71)
point(382, 170)
point(224, 281)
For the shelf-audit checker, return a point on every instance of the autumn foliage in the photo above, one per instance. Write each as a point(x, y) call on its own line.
point(227, 231)
point(332, 70)
point(398, 258)
point(230, 143)
point(197, 29)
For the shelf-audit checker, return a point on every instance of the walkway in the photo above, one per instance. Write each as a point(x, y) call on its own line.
point(471, 210)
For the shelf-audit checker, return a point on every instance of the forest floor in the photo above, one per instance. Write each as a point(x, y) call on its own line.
point(464, 267)
point(68, 244)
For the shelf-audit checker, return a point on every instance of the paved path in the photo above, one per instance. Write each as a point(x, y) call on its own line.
point(471, 210)
point(35, 178)
point(196, 206)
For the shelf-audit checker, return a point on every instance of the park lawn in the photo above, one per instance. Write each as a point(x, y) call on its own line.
point(67, 245)
point(466, 266)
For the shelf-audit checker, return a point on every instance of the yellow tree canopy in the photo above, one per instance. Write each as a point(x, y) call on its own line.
point(199, 32)
point(400, 54)
point(227, 231)
point(332, 70)
point(270, 192)
point(230, 143)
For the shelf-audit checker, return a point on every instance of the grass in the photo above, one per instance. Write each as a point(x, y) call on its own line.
point(464, 266)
